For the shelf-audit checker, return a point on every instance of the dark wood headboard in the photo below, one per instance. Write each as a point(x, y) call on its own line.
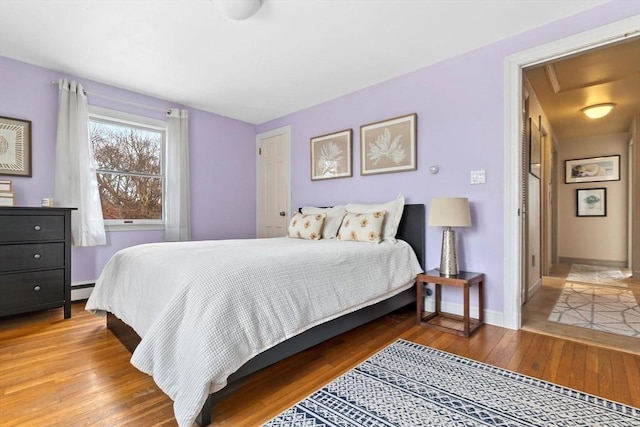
point(412, 229)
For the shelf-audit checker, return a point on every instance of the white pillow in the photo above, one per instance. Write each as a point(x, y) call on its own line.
point(392, 218)
point(362, 227)
point(306, 226)
point(333, 220)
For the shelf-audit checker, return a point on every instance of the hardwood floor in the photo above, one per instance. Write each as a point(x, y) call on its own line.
point(74, 372)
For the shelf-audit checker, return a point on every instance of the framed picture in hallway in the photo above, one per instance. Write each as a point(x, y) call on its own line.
point(591, 202)
point(594, 169)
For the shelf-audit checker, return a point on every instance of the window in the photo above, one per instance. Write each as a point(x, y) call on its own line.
point(129, 166)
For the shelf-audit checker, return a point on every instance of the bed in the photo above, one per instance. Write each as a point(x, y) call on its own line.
point(182, 350)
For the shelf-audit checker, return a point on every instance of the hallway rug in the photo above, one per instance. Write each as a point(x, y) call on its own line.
point(607, 309)
point(410, 385)
point(597, 275)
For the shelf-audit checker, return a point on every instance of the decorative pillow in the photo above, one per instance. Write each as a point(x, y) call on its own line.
point(393, 215)
point(333, 221)
point(362, 227)
point(306, 226)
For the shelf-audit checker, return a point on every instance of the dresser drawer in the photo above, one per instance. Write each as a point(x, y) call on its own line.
point(31, 227)
point(27, 289)
point(30, 256)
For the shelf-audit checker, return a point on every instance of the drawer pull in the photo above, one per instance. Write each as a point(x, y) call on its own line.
point(36, 227)
point(36, 288)
point(36, 256)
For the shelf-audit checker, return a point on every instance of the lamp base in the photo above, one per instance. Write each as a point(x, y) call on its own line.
point(448, 259)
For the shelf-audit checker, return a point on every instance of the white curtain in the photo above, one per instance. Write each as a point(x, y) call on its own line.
point(75, 183)
point(177, 177)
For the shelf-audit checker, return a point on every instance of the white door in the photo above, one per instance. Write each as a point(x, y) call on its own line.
point(273, 182)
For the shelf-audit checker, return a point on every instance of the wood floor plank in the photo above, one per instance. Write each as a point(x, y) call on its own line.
point(578, 368)
point(553, 362)
point(520, 351)
point(501, 353)
point(592, 368)
point(619, 382)
point(74, 372)
point(485, 340)
point(535, 359)
point(632, 374)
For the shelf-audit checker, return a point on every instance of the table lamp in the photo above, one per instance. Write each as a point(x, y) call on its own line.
point(447, 213)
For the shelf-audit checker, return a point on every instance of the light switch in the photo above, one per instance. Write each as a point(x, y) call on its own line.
point(478, 177)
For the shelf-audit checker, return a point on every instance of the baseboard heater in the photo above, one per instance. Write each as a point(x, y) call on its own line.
point(81, 291)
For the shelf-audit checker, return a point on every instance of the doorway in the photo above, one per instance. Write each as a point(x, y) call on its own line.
point(273, 182)
point(584, 291)
point(514, 230)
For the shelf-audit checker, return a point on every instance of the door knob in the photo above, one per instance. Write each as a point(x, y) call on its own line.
point(282, 213)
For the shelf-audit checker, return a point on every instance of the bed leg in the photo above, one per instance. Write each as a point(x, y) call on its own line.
point(204, 417)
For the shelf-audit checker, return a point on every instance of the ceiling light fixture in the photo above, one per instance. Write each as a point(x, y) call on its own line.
point(597, 111)
point(238, 9)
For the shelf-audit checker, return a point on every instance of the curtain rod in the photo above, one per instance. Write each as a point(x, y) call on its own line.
point(122, 101)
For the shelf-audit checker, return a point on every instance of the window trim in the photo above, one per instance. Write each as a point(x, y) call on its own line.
point(134, 120)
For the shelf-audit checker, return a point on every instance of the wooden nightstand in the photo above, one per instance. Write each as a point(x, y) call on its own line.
point(460, 325)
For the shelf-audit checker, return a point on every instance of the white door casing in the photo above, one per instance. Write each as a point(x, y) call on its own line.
point(273, 182)
point(612, 33)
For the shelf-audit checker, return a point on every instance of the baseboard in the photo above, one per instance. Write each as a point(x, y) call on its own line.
point(602, 263)
point(491, 317)
point(81, 290)
point(533, 289)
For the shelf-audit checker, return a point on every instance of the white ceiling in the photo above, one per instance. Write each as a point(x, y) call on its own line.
point(291, 55)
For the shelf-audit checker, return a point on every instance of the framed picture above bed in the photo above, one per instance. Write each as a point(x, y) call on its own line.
point(593, 169)
point(331, 155)
point(388, 146)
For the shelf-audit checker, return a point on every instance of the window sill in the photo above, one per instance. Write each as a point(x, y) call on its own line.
point(133, 227)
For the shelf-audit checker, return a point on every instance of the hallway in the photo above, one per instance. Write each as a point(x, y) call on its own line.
point(542, 306)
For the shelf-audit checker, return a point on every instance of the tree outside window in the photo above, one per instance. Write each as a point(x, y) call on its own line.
point(129, 169)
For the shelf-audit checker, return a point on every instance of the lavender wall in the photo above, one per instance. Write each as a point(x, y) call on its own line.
point(222, 151)
point(460, 108)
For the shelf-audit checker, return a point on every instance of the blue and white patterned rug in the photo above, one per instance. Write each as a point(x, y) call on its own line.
point(407, 384)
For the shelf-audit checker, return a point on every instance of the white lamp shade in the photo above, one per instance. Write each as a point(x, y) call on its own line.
point(238, 9)
point(449, 212)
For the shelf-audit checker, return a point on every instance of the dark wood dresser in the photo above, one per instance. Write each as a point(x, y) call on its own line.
point(35, 259)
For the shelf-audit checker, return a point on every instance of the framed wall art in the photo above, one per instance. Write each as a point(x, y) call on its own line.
point(593, 169)
point(389, 145)
point(15, 147)
point(331, 155)
point(591, 202)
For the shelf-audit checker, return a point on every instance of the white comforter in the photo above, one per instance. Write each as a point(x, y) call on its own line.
point(205, 308)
